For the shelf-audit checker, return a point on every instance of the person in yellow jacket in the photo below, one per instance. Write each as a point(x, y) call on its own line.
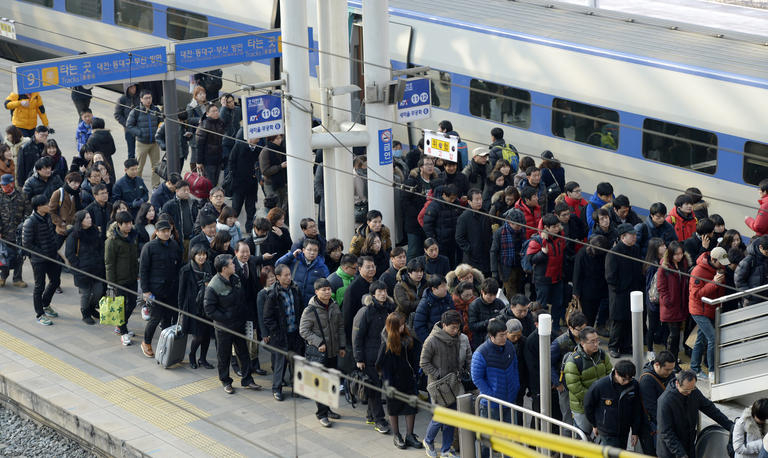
point(26, 108)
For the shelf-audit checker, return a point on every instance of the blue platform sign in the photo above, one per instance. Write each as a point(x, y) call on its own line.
point(227, 50)
point(263, 116)
point(416, 102)
point(87, 69)
point(385, 146)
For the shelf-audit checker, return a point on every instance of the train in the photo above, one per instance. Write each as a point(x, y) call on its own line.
point(652, 106)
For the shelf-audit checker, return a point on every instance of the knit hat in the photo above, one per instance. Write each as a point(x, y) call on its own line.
point(514, 215)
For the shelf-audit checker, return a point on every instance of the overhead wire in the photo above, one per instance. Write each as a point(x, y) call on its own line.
point(489, 93)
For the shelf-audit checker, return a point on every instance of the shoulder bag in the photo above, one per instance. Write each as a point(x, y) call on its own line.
point(313, 353)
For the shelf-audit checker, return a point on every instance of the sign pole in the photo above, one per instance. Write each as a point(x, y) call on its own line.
point(172, 127)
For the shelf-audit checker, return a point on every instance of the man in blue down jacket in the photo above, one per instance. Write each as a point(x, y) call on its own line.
point(306, 266)
point(494, 371)
point(433, 304)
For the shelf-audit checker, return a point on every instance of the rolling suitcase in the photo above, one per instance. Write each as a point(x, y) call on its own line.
point(171, 347)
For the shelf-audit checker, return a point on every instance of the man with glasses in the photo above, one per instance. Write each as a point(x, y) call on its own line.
point(583, 367)
point(612, 405)
point(678, 416)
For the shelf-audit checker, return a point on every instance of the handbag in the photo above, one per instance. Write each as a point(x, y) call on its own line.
point(573, 306)
point(313, 353)
point(445, 390)
point(161, 169)
point(554, 188)
point(112, 309)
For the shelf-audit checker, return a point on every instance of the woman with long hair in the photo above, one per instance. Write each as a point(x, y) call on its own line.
point(672, 284)
point(15, 140)
point(398, 362)
point(85, 252)
point(117, 207)
point(374, 248)
point(58, 163)
point(7, 164)
point(732, 239)
point(220, 244)
point(193, 278)
point(276, 217)
point(656, 250)
point(228, 222)
point(145, 223)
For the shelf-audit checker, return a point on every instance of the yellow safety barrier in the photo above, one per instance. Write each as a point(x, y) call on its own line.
point(527, 436)
point(509, 448)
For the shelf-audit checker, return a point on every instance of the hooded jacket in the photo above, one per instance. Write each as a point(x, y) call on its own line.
point(532, 217)
point(121, 257)
point(25, 163)
point(358, 240)
point(700, 289)
point(441, 354)
point(429, 311)
point(125, 104)
point(673, 291)
point(366, 332)
point(406, 293)
point(748, 436)
point(38, 237)
point(581, 371)
point(305, 274)
point(26, 117)
point(331, 322)
point(759, 224)
point(685, 226)
point(752, 271)
point(495, 370)
point(143, 122)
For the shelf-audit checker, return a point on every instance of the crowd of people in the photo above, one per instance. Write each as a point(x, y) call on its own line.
point(488, 247)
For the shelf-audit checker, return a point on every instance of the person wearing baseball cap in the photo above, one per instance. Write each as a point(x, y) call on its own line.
point(479, 169)
point(707, 280)
point(623, 273)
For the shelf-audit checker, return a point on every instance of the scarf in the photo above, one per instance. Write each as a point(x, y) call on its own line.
point(510, 245)
point(75, 196)
point(290, 313)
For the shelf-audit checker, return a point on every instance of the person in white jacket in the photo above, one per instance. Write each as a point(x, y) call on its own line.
point(749, 430)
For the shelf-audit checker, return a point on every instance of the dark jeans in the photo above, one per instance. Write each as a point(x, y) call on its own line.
point(224, 343)
point(130, 304)
point(322, 409)
point(15, 262)
point(507, 418)
point(249, 199)
point(212, 173)
point(130, 139)
point(375, 408)
point(158, 315)
point(613, 441)
point(621, 336)
point(89, 297)
point(42, 294)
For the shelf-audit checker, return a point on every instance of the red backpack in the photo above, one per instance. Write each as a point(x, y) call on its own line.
point(423, 211)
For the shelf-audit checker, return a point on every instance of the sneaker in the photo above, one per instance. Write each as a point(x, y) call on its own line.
point(117, 330)
point(651, 356)
point(711, 378)
point(429, 448)
point(50, 312)
point(370, 421)
point(42, 319)
point(20, 284)
point(132, 334)
point(325, 422)
point(451, 453)
point(88, 320)
point(382, 427)
point(126, 339)
point(59, 290)
point(412, 440)
point(147, 350)
point(333, 415)
point(145, 313)
point(399, 442)
point(228, 388)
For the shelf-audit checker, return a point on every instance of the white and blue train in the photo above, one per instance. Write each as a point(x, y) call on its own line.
point(705, 91)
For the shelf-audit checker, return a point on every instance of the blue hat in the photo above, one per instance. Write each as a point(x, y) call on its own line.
point(6, 179)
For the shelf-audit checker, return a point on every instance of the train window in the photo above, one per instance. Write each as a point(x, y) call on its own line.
point(87, 8)
point(755, 162)
point(500, 103)
point(441, 88)
point(135, 14)
point(585, 123)
point(183, 25)
point(680, 146)
point(46, 3)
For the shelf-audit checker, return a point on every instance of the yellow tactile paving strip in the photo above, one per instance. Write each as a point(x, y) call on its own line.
point(164, 409)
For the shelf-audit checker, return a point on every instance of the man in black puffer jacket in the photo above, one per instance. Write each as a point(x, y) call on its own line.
point(159, 274)
point(39, 238)
point(223, 302)
point(43, 181)
point(753, 269)
point(440, 220)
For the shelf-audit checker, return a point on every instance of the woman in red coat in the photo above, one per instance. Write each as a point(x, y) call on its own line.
point(673, 292)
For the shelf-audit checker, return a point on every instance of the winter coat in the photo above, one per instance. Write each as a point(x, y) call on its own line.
point(752, 271)
point(407, 294)
point(458, 179)
point(275, 319)
point(244, 165)
point(473, 237)
point(142, 123)
point(389, 277)
point(414, 201)
point(541, 192)
point(453, 280)
point(651, 387)
point(527, 321)
point(437, 266)
point(685, 226)
point(210, 210)
point(159, 266)
point(356, 245)
point(440, 221)
point(581, 371)
point(399, 371)
point(547, 267)
point(184, 213)
point(35, 186)
point(495, 371)
point(611, 233)
point(531, 352)
point(124, 106)
point(85, 251)
point(231, 119)
point(614, 408)
point(673, 292)
point(498, 268)
point(38, 237)
point(699, 289)
point(441, 354)
point(14, 208)
point(25, 163)
point(191, 297)
point(223, 301)
point(121, 256)
point(595, 203)
point(480, 313)
point(623, 276)
point(303, 274)
point(748, 435)
point(759, 224)
point(560, 348)
point(477, 175)
point(577, 206)
point(160, 196)
point(368, 324)
point(532, 217)
point(429, 311)
point(26, 117)
point(82, 134)
point(339, 280)
point(353, 301)
point(693, 246)
point(331, 322)
point(647, 230)
point(678, 418)
point(589, 275)
point(63, 207)
point(269, 163)
point(208, 138)
point(131, 190)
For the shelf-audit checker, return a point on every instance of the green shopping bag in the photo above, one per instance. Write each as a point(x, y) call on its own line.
point(112, 309)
